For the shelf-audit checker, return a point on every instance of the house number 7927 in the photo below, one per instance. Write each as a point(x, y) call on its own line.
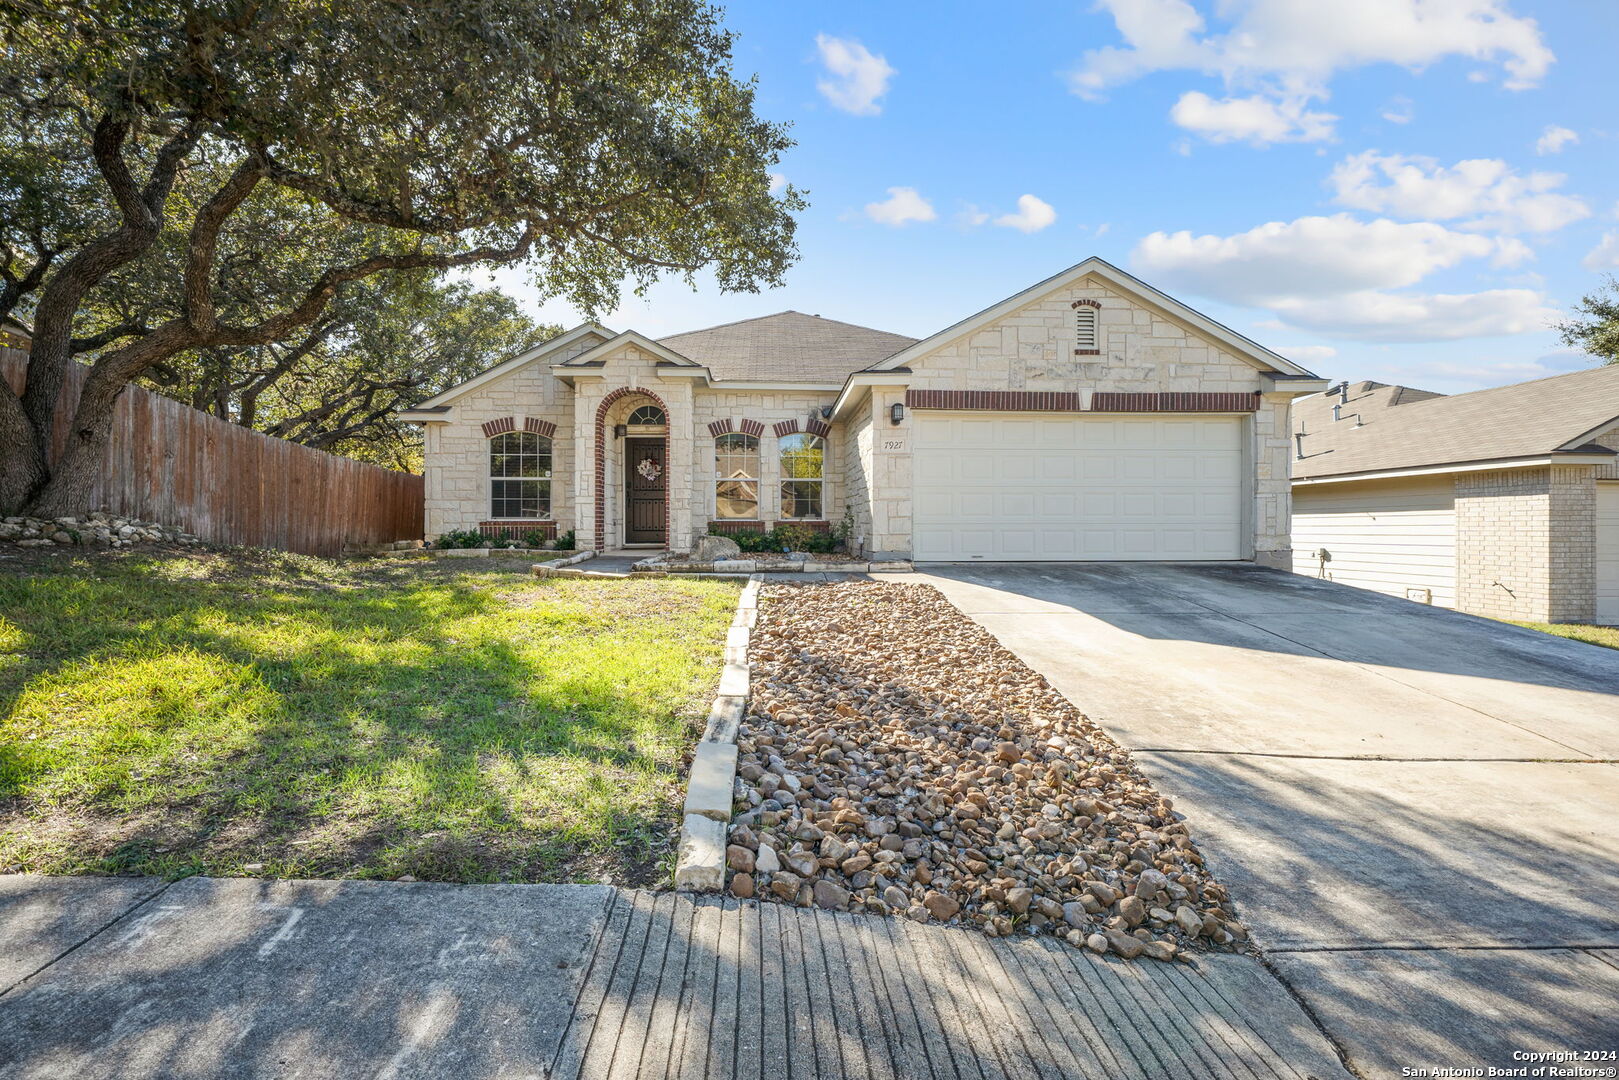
point(893, 444)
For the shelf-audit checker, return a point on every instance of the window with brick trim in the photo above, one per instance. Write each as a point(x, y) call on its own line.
point(803, 471)
point(519, 475)
point(736, 477)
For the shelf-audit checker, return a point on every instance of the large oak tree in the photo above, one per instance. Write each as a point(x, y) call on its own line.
point(210, 147)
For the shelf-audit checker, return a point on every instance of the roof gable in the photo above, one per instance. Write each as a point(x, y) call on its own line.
point(788, 346)
point(582, 333)
point(1249, 351)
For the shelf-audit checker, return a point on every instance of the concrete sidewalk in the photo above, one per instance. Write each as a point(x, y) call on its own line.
point(1416, 811)
point(242, 978)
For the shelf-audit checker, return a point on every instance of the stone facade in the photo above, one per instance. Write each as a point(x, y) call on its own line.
point(1526, 543)
point(1140, 350)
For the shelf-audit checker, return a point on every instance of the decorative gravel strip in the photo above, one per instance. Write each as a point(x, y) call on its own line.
point(895, 759)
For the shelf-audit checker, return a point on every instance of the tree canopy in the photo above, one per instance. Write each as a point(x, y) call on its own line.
point(1596, 328)
point(196, 178)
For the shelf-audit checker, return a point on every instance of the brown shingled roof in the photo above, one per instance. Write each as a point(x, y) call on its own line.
point(1404, 428)
point(787, 347)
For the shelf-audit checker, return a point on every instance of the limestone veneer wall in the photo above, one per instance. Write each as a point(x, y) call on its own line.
point(457, 452)
point(769, 407)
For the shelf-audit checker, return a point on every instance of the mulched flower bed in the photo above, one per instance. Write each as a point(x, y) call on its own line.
point(895, 759)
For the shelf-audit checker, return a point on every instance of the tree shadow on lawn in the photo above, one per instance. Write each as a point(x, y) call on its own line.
point(449, 727)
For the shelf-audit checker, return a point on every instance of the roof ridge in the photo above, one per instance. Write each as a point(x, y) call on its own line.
point(779, 314)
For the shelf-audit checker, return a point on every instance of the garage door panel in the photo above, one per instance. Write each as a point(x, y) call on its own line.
point(1078, 488)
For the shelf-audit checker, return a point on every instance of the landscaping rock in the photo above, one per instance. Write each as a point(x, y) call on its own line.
point(742, 886)
point(96, 530)
point(897, 754)
point(714, 548)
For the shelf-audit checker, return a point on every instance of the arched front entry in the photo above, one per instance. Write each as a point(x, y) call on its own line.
point(632, 469)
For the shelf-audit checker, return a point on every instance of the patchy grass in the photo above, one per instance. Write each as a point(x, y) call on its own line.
point(1606, 636)
point(452, 720)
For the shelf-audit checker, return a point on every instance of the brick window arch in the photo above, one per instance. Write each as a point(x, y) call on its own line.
point(601, 461)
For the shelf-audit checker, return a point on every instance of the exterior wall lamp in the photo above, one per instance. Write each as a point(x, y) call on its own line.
point(896, 412)
point(620, 430)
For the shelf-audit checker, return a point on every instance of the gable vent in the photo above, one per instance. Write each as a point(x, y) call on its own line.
point(1087, 336)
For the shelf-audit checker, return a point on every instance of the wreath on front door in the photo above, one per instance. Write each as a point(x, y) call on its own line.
point(649, 469)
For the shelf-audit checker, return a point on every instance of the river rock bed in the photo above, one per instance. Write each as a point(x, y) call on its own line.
point(895, 759)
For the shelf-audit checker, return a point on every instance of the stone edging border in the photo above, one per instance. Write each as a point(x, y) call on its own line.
point(700, 864)
point(555, 567)
point(733, 567)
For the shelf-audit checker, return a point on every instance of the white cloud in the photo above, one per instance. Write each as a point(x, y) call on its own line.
point(972, 215)
point(778, 183)
point(1605, 256)
point(1033, 214)
point(1253, 119)
point(1312, 257)
point(1399, 110)
point(1482, 193)
point(1410, 317)
point(1554, 138)
point(1334, 275)
point(859, 78)
point(902, 206)
point(1286, 52)
point(1302, 45)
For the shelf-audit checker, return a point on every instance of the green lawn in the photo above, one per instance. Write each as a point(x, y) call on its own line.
point(285, 716)
point(1606, 636)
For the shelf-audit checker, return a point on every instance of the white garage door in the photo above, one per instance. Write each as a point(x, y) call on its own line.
point(1608, 553)
point(1002, 488)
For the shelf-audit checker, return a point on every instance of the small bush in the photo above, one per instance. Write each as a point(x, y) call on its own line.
point(535, 539)
point(461, 538)
point(565, 542)
point(788, 538)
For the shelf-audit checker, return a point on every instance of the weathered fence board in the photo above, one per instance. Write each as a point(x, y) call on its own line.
point(170, 463)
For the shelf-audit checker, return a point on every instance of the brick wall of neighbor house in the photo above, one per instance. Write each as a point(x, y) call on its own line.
point(1526, 544)
point(457, 451)
point(1141, 350)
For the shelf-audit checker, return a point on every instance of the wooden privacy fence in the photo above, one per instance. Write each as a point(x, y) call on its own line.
point(170, 463)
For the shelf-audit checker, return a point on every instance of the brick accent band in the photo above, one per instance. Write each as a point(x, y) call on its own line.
point(1062, 401)
point(755, 428)
point(785, 428)
point(719, 427)
point(491, 428)
point(1087, 303)
point(538, 426)
point(818, 427)
point(516, 530)
point(994, 400)
point(1166, 402)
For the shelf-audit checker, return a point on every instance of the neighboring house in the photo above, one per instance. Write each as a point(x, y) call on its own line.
point(1501, 502)
point(1087, 417)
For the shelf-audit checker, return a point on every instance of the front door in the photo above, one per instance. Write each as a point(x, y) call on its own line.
point(646, 482)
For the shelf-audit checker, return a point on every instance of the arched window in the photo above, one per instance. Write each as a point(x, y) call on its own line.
point(648, 420)
point(520, 475)
point(803, 468)
point(736, 476)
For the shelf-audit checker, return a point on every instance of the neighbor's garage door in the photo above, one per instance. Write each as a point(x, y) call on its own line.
point(1102, 487)
point(1608, 553)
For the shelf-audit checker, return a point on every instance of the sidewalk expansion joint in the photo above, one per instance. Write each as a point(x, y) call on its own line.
point(102, 929)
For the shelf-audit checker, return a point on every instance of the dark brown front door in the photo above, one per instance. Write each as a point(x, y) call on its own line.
point(645, 482)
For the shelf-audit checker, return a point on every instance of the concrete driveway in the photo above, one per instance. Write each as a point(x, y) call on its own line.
point(1417, 810)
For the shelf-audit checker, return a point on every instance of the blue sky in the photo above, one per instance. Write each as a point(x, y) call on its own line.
point(1404, 190)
